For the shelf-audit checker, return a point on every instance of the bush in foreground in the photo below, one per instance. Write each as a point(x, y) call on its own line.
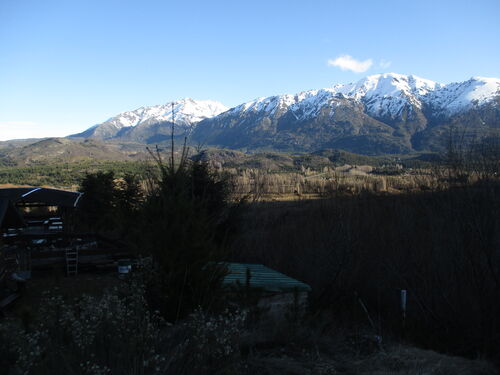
point(117, 334)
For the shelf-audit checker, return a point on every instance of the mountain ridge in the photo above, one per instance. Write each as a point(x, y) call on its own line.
point(129, 125)
point(382, 113)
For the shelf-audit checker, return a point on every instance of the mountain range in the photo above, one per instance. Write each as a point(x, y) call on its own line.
point(383, 113)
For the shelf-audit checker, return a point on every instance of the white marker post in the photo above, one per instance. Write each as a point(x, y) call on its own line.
point(403, 308)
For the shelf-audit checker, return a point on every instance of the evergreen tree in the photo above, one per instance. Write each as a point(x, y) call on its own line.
point(97, 206)
point(110, 206)
point(186, 221)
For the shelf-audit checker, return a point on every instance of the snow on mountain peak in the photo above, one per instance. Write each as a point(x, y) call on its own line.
point(195, 110)
point(457, 97)
point(387, 85)
point(307, 103)
point(386, 94)
point(186, 112)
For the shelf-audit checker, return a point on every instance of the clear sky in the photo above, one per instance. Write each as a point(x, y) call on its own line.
point(67, 65)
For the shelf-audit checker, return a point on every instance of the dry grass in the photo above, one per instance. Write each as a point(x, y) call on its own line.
point(400, 359)
point(393, 360)
point(345, 180)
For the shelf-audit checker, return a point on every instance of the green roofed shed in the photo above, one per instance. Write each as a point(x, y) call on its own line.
point(262, 277)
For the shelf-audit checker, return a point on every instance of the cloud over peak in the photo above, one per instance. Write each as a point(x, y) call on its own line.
point(346, 62)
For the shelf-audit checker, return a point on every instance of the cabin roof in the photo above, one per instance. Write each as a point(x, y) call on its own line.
point(44, 196)
point(262, 277)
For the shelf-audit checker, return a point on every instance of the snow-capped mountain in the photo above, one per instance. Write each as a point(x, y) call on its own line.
point(304, 104)
point(185, 112)
point(383, 113)
point(135, 124)
point(387, 93)
point(379, 113)
point(383, 95)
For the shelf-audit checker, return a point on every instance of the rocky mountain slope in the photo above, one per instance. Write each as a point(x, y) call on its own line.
point(383, 113)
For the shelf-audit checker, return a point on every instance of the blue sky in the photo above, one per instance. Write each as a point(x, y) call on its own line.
point(67, 65)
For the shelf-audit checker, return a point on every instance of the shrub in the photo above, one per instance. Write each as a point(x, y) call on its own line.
point(114, 333)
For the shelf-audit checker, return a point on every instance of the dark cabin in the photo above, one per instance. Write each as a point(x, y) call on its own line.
point(42, 209)
point(50, 234)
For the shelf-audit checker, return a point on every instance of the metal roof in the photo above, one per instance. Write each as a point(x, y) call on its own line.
point(49, 197)
point(262, 277)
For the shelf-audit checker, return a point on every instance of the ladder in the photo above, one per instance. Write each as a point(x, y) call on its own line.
point(71, 261)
